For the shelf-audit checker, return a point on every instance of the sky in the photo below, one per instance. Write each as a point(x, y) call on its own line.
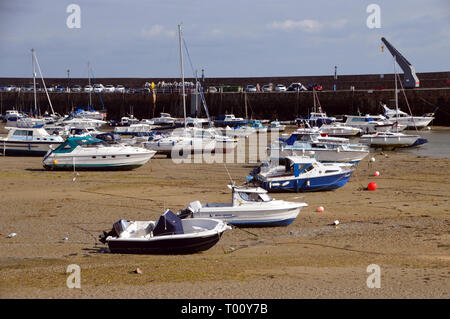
point(246, 38)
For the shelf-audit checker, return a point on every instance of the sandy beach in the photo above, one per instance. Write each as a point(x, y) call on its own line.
point(403, 226)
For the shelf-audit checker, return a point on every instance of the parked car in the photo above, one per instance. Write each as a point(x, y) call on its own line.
point(109, 88)
point(250, 88)
point(212, 89)
point(120, 89)
point(88, 88)
point(51, 89)
point(297, 87)
point(98, 88)
point(280, 88)
point(315, 86)
point(10, 88)
point(60, 88)
point(267, 87)
point(76, 88)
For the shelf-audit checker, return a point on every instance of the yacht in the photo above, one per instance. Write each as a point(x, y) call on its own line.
point(87, 152)
point(405, 119)
point(28, 141)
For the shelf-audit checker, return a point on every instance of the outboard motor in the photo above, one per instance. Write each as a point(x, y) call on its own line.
point(118, 228)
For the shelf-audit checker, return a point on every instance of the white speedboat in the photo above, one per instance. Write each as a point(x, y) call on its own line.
point(94, 154)
point(169, 235)
point(391, 140)
point(406, 119)
point(28, 141)
point(250, 207)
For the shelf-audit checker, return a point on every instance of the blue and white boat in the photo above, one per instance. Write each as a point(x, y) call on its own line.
point(31, 141)
point(257, 125)
point(309, 142)
point(87, 152)
point(250, 207)
point(229, 120)
point(301, 174)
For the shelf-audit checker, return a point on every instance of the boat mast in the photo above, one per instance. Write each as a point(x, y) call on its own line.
point(90, 89)
point(182, 74)
point(34, 81)
point(396, 95)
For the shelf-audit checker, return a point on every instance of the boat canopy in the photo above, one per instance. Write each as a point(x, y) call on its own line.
point(72, 142)
point(168, 224)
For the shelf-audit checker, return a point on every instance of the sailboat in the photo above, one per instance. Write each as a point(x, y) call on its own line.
point(181, 140)
point(391, 139)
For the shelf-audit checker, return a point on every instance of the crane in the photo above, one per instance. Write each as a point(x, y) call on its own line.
point(410, 79)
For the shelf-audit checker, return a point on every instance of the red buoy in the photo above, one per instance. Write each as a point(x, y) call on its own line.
point(372, 186)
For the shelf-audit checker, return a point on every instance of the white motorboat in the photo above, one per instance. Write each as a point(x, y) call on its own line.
point(91, 153)
point(239, 131)
point(406, 119)
point(309, 142)
point(368, 123)
point(339, 129)
point(179, 145)
point(28, 141)
point(164, 119)
point(250, 207)
point(169, 235)
point(391, 140)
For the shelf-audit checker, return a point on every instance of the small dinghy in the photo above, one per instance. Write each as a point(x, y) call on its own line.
point(169, 235)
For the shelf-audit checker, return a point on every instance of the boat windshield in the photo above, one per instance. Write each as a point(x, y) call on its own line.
point(255, 197)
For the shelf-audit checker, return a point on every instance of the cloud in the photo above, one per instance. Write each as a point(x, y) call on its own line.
point(157, 31)
point(290, 25)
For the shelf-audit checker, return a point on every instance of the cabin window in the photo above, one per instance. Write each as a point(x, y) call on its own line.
point(103, 156)
point(94, 156)
point(251, 197)
point(265, 197)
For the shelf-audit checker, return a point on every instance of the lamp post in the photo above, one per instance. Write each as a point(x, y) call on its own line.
point(68, 90)
point(335, 78)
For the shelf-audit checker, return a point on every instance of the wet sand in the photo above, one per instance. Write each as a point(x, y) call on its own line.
point(403, 226)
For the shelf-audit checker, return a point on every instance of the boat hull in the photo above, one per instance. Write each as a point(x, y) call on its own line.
point(390, 141)
point(242, 217)
point(164, 246)
point(25, 148)
point(330, 155)
point(321, 183)
point(100, 162)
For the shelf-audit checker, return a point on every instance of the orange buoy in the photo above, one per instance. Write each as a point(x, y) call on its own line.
point(372, 186)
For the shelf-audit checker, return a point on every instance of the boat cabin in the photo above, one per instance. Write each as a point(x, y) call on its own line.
point(242, 194)
point(73, 142)
point(31, 134)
